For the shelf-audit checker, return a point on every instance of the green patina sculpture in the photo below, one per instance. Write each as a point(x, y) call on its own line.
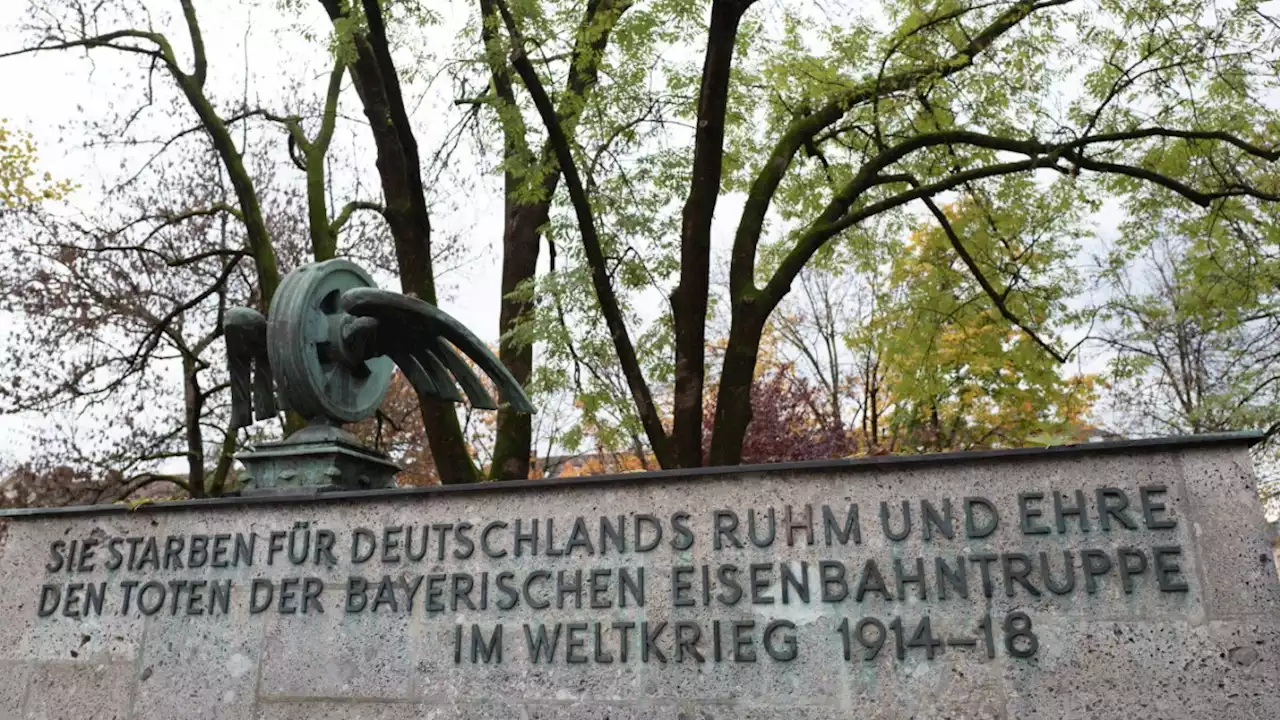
point(326, 350)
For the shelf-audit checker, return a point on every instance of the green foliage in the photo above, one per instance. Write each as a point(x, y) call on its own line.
point(620, 126)
point(957, 375)
point(22, 184)
point(1053, 73)
point(1194, 334)
point(404, 19)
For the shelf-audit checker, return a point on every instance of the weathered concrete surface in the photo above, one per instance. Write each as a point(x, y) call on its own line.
point(1205, 643)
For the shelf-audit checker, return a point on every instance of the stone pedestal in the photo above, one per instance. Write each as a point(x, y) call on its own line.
point(318, 458)
point(1107, 581)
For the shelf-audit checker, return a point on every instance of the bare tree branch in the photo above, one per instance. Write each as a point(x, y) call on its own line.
point(997, 297)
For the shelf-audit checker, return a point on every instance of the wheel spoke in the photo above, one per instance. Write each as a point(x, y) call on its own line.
point(361, 371)
point(338, 387)
point(348, 389)
point(316, 328)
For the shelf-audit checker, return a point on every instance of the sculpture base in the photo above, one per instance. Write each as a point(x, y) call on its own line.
point(318, 458)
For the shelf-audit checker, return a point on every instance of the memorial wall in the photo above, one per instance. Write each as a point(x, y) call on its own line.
point(1106, 580)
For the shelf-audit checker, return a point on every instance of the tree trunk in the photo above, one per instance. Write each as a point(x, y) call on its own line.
point(192, 406)
point(513, 441)
point(592, 248)
point(875, 403)
point(689, 301)
point(324, 243)
point(733, 401)
point(513, 447)
point(520, 245)
point(259, 240)
point(218, 483)
point(193, 88)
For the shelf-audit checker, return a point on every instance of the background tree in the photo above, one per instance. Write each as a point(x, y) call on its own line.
point(919, 363)
point(129, 28)
point(893, 112)
point(956, 375)
point(814, 323)
point(1184, 360)
point(360, 47)
point(1191, 339)
point(119, 316)
point(38, 485)
point(793, 419)
point(572, 44)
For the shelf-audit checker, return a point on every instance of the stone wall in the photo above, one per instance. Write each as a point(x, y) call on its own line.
point(1275, 542)
point(1182, 622)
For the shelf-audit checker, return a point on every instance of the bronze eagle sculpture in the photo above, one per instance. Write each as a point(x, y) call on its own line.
point(327, 345)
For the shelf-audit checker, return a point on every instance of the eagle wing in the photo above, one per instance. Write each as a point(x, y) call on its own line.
point(421, 338)
point(248, 367)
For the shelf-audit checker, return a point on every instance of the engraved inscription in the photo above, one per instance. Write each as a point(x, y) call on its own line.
point(609, 589)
